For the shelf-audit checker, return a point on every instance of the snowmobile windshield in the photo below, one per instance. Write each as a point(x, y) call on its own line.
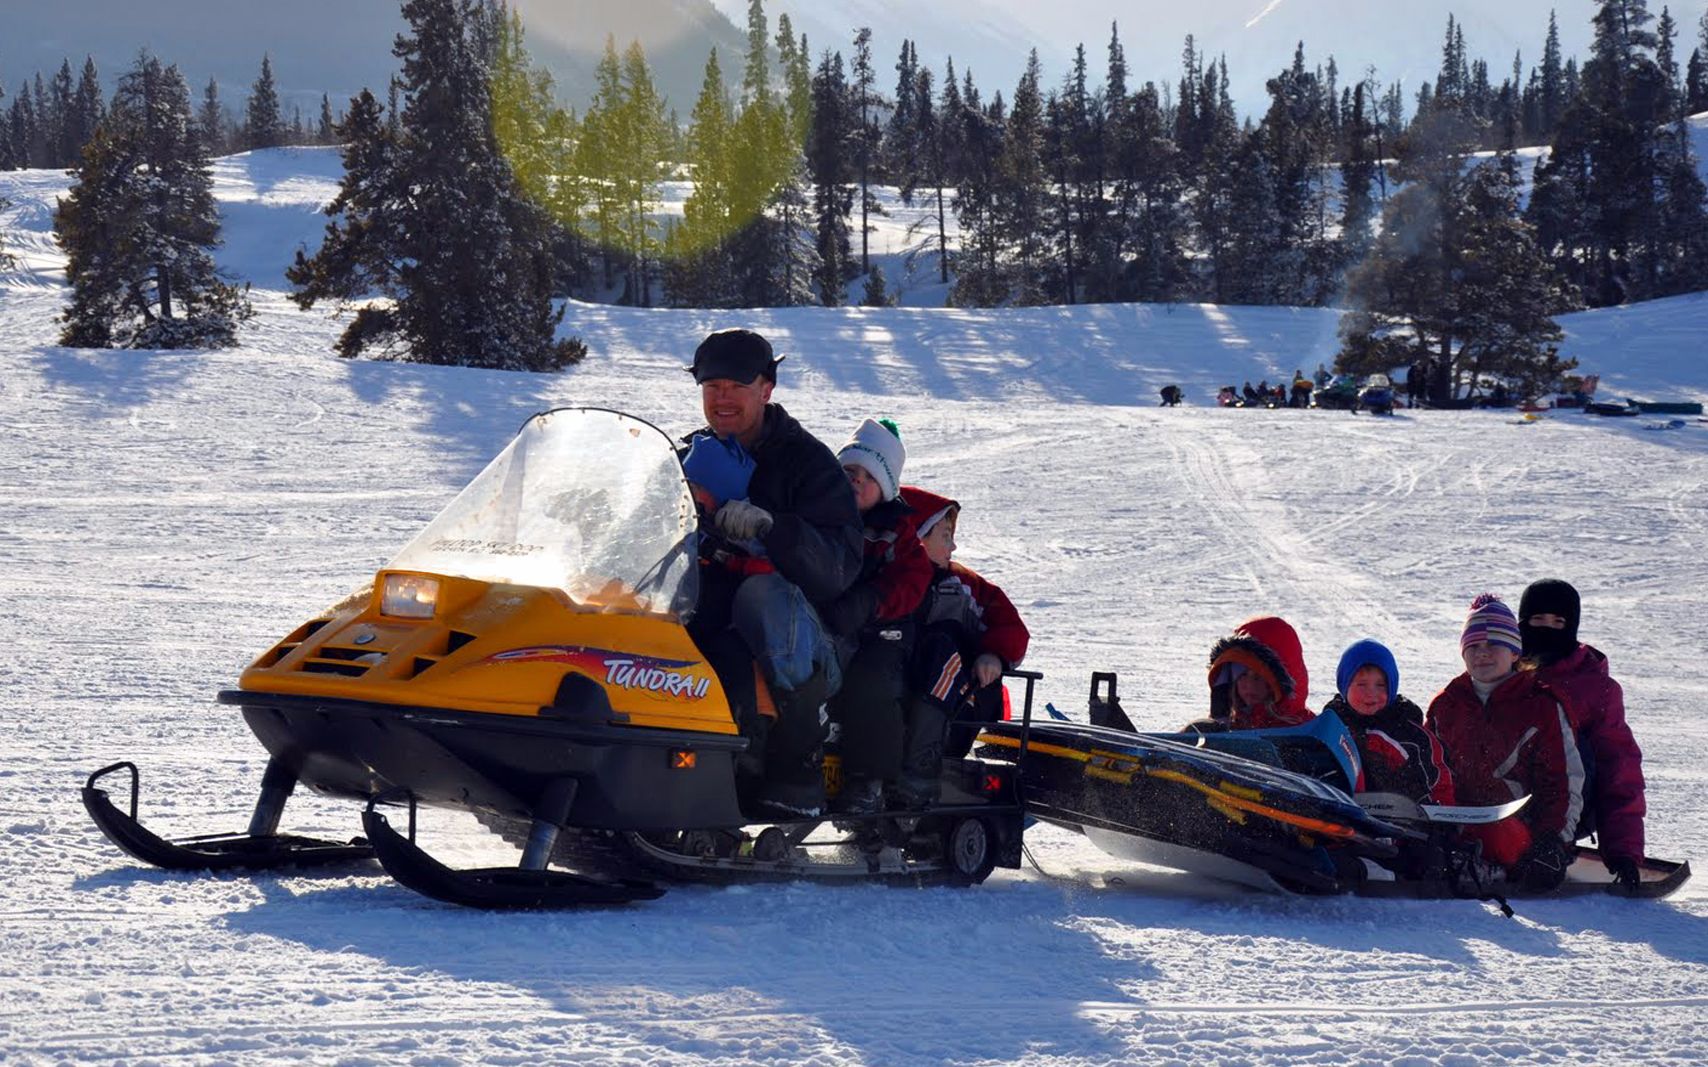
point(584, 500)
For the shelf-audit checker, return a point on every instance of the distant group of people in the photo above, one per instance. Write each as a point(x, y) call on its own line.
point(1283, 394)
point(828, 584)
point(1535, 713)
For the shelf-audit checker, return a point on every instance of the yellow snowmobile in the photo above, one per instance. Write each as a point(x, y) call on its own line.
point(525, 658)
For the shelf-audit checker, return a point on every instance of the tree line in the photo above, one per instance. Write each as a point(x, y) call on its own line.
point(46, 122)
point(1090, 190)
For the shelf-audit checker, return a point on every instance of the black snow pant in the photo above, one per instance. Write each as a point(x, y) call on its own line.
point(868, 707)
point(942, 678)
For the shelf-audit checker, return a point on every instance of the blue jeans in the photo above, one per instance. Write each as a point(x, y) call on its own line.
point(783, 631)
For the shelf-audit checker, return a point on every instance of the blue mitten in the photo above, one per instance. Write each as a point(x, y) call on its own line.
point(720, 466)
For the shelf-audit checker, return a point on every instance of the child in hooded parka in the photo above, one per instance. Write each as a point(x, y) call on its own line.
point(1257, 678)
point(1399, 753)
point(969, 633)
point(872, 622)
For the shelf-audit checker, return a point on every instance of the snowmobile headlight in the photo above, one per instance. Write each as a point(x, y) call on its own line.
point(409, 596)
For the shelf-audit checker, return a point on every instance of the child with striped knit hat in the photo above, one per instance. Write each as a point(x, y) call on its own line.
point(1507, 736)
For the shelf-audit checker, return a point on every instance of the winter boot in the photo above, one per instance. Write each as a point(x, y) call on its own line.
point(860, 796)
point(794, 754)
point(922, 754)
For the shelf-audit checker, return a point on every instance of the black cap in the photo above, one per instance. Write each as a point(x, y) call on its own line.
point(739, 355)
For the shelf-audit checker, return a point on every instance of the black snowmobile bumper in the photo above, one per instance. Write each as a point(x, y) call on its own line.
point(209, 851)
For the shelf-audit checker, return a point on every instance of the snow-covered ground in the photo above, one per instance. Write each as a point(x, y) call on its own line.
point(164, 516)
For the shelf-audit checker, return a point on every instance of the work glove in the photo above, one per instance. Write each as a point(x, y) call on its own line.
point(987, 668)
point(1543, 867)
point(740, 520)
point(720, 466)
point(1626, 876)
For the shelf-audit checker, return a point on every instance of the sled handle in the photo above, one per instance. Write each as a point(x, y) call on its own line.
point(122, 765)
point(1103, 676)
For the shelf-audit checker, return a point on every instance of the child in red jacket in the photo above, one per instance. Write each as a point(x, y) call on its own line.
point(969, 634)
point(1507, 736)
point(1257, 678)
point(1613, 764)
point(1399, 753)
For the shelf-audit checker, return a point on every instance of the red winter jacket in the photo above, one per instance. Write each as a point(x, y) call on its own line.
point(1521, 743)
point(895, 563)
point(1596, 705)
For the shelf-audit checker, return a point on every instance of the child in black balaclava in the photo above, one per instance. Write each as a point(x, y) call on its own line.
point(1613, 792)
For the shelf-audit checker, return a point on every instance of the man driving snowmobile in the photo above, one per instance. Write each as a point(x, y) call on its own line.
point(781, 540)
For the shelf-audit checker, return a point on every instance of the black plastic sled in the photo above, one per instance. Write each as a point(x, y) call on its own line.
point(1269, 809)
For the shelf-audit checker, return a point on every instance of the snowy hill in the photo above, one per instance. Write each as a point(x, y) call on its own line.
point(167, 515)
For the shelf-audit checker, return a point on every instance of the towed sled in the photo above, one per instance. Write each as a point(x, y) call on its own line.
point(525, 659)
point(1271, 809)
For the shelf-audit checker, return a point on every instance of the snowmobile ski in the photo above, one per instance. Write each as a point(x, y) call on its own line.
point(1397, 808)
point(494, 887)
point(260, 849)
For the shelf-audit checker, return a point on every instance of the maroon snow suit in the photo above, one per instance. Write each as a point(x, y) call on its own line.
point(1521, 743)
point(1596, 705)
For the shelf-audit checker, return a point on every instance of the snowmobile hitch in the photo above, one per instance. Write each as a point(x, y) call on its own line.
point(522, 886)
point(262, 848)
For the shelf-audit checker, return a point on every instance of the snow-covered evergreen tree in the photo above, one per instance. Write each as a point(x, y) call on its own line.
point(139, 225)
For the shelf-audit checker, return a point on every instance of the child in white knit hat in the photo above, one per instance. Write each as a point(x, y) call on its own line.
point(872, 622)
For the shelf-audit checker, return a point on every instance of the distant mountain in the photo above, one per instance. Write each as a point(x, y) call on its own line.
point(339, 46)
point(992, 37)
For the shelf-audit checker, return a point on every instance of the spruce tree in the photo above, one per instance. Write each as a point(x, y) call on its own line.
point(88, 108)
point(466, 258)
point(139, 224)
point(647, 139)
point(1455, 277)
point(325, 131)
point(867, 136)
point(64, 137)
point(1022, 198)
point(210, 120)
point(600, 157)
point(264, 128)
point(361, 252)
point(830, 171)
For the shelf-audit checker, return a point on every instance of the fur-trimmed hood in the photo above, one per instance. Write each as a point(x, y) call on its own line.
point(1253, 655)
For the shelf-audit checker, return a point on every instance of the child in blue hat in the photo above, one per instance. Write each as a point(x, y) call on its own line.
point(1400, 754)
